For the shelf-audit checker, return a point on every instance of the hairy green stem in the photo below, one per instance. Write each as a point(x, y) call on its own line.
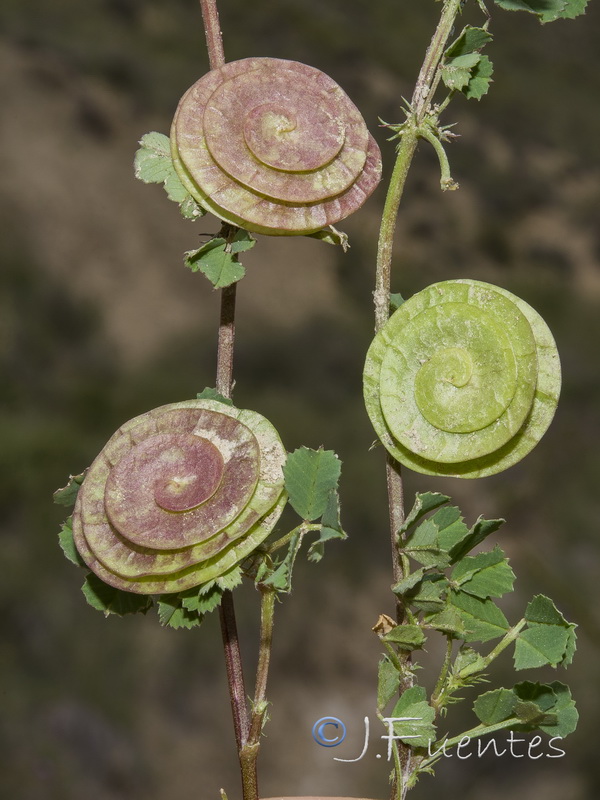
point(259, 705)
point(303, 528)
point(425, 87)
point(507, 639)
point(446, 180)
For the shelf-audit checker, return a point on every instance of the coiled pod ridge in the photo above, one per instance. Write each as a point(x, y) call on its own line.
point(179, 495)
point(463, 380)
point(273, 146)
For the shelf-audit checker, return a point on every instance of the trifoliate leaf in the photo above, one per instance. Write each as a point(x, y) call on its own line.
point(547, 707)
point(331, 527)
point(406, 637)
point(388, 681)
point(67, 543)
point(172, 613)
point(548, 638)
point(484, 575)
point(424, 503)
point(105, 598)
point(220, 266)
point(420, 731)
point(481, 77)
point(471, 40)
point(310, 477)
point(482, 618)
point(68, 494)
point(212, 394)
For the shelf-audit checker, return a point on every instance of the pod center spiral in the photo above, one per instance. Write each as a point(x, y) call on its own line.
point(292, 137)
point(184, 470)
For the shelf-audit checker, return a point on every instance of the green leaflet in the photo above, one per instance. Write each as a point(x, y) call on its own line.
point(546, 10)
point(113, 601)
point(310, 477)
point(67, 543)
point(482, 618)
point(424, 503)
point(484, 575)
point(480, 79)
point(406, 637)
point(388, 681)
point(420, 731)
point(211, 394)
point(68, 494)
point(471, 40)
point(396, 301)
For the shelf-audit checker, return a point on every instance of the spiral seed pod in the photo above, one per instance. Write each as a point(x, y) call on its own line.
point(273, 146)
point(178, 496)
point(463, 380)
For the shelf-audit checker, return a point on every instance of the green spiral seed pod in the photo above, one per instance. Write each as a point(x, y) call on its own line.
point(273, 146)
point(463, 380)
point(179, 495)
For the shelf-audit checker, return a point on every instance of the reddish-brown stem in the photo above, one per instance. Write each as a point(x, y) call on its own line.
point(226, 341)
point(212, 30)
point(224, 385)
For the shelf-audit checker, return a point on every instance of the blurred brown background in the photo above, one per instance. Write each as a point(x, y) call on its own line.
point(100, 321)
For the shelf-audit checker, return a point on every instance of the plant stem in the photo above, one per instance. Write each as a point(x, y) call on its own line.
point(267, 612)
point(425, 87)
point(212, 30)
point(224, 385)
